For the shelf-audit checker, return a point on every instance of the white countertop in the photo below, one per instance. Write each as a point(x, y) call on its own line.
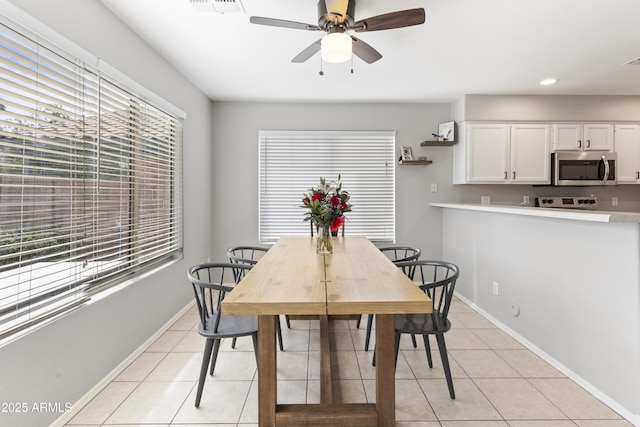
point(574, 214)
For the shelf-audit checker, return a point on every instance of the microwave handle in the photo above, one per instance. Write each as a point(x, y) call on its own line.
point(606, 170)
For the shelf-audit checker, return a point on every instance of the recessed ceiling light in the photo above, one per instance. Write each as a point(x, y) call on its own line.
point(547, 82)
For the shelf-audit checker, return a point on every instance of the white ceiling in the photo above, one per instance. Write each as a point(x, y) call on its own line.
point(464, 47)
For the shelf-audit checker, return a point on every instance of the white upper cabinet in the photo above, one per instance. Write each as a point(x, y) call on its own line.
point(582, 137)
point(503, 154)
point(488, 153)
point(598, 137)
point(567, 137)
point(627, 146)
point(530, 154)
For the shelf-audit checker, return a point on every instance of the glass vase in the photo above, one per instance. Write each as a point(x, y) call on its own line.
point(324, 244)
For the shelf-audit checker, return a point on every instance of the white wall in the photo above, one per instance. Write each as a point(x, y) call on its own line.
point(235, 160)
point(577, 285)
point(586, 108)
point(62, 361)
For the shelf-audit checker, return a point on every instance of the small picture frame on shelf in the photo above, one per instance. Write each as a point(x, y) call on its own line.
point(446, 131)
point(405, 153)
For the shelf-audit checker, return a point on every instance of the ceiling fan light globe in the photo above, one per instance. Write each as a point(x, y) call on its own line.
point(336, 47)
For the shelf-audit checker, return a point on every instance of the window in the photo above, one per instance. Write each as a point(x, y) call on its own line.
point(291, 162)
point(90, 182)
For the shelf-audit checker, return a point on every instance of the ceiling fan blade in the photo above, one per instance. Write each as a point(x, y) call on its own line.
point(388, 21)
point(283, 23)
point(308, 52)
point(364, 51)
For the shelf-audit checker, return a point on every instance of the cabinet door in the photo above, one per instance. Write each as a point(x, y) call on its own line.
point(530, 154)
point(567, 137)
point(487, 153)
point(627, 146)
point(598, 137)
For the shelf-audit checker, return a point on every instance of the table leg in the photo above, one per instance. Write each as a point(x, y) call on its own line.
point(326, 384)
point(267, 371)
point(385, 370)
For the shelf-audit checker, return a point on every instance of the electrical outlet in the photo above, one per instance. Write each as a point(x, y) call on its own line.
point(515, 308)
point(434, 187)
point(614, 201)
point(525, 201)
point(485, 200)
point(496, 290)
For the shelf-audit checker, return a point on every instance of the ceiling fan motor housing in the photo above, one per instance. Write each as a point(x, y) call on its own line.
point(333, 18)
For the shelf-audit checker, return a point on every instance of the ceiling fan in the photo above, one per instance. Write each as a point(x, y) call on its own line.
point(336, 17)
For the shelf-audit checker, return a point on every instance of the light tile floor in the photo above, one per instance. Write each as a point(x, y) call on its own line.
point(498, 382)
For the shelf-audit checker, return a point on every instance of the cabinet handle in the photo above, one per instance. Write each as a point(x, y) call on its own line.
point(637, 175)
point(505, 175)
point(579, 143)
point(588, 143)
point(514, 175)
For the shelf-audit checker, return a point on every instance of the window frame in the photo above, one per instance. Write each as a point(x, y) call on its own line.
point(21, 309)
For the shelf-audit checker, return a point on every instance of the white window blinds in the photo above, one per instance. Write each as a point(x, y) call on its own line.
point(90, 182)
point(291, 162)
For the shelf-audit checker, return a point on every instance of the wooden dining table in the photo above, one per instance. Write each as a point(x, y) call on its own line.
point(355, 279)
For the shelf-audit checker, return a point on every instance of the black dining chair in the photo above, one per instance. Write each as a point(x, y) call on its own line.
point(211, 281)
point(396, 254)
point(250, 255)
point(438, 280)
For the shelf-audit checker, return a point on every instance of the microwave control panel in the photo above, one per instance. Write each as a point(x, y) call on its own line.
point(580, 202)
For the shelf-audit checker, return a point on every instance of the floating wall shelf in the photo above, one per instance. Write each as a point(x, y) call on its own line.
point(415, 162)
point(437, 143)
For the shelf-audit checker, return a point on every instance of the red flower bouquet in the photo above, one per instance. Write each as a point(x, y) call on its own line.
point(326, 206)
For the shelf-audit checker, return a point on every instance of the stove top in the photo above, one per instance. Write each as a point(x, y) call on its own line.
point(579, 202)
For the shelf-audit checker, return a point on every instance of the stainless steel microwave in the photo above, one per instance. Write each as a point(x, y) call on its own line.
point(584, 168)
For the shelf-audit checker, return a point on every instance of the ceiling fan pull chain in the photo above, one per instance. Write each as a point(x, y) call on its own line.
point(351, 64)
point(321, 72)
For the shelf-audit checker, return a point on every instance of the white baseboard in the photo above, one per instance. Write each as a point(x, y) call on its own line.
point(77, 406)
point(597, 393)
